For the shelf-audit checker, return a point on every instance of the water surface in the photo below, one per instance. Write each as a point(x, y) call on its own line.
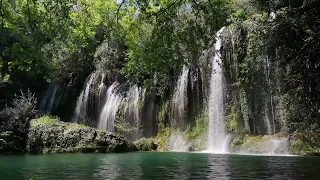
point(154, 165)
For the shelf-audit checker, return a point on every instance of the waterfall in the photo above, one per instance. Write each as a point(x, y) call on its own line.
point(177, 142)
point(268, 67)
point(131, 107)
point(217, 138)
point(80, 113)
point(179, 100)
point(131, 111)
point(47, 103)
point(102, 91)
point(110, 108)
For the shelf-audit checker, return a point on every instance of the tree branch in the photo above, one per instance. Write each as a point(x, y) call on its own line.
point(118, 11)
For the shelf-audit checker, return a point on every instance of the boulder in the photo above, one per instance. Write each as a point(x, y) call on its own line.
point(52, 136)
point(146, 144)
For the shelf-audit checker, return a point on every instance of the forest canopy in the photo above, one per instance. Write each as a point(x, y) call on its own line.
point(147, 42)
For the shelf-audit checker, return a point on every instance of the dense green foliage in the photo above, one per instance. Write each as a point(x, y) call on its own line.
point(14, 123)
point(64, 40)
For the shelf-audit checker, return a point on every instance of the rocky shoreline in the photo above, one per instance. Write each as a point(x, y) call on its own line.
point(46, 135)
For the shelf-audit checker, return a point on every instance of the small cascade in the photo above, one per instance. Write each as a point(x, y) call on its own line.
point(131, 111)
point(80, 113)
point(267, 120)
point(267, 145)
point(131, 107)
point(180, 100)
point(278, 146)
point(49, 99)
point(148, 115)
point(110, 108)
point(102, 91)
point(217, 136)
point(271, 124)
point(178, 143)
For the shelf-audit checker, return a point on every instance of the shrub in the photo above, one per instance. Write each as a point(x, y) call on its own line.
point(16, 119)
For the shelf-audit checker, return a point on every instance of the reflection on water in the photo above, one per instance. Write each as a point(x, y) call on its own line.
point(219, 166)
point(108, 167)
point(157, 166)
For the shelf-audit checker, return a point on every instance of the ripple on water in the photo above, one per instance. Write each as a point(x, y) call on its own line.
point(158, 166)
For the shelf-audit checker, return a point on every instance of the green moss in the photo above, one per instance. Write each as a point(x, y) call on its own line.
point(162, 137)
point(234, 118)
point(197, 134)
point(50, 121)
point(140, 105)
point(250, 139)
point(200, 128)
point(75, 126)
point(163, 131)
point(43, 120)
point(146, 144)
point(100, 130)
point(164, 109)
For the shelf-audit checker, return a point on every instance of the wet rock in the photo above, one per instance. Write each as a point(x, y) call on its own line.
point(53, 136)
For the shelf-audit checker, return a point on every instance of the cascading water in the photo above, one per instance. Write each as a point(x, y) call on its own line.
point(102, 91)
point(271, 130)
point(47, 102)
point(217, 138)
point(131, 107)
point(132, 111)
point(279, 146)
point(178, 143)
point(180, 100)
point(110, 108)
point(267, 120)
point(80, 113)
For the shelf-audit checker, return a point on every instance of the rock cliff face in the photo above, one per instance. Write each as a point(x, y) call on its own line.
point(52, 136)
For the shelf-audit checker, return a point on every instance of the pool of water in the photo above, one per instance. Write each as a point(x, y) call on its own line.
point(155, 165)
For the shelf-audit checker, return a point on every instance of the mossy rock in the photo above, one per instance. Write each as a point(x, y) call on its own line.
point(267, 144)
point(48, 135)
point(304, 144)
point(146, 144)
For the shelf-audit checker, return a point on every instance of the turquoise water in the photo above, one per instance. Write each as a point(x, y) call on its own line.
point(154, 165)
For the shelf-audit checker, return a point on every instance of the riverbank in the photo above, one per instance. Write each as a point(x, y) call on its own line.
point(48, 135)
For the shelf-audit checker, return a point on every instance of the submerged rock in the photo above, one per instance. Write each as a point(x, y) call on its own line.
point(52, 136)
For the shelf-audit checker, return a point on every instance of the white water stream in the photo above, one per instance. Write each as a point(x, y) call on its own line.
point(217, 137)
